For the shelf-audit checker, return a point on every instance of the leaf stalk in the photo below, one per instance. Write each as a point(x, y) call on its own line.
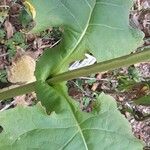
point(123, 61)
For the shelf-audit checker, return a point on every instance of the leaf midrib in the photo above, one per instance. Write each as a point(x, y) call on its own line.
point(78, 41)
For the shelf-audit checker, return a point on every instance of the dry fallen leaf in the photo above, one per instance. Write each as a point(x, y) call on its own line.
point(20, 101)
point(25, 100)
point(9, 29)
point(95, 85)
point(22, 70)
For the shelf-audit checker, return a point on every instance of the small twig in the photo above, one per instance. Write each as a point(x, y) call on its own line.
point(79, 87)
point(4, 6)
point(50, 46)
point(2, 55)
point(46, 46)
point(82, 90)
point(7, 106)
point(139, 5)
point(55, 43)
point(88, 78)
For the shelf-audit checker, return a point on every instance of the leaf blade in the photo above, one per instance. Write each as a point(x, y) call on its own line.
point(80, 128)
point(106, 128)
point(99, 27)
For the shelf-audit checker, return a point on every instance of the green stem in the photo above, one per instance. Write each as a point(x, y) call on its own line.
point(13, 91)
point(103, 66)
point(99, 67)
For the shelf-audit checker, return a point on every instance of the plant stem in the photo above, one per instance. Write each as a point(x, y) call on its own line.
point(99, 67)
point(103, 66)
point(13, 91)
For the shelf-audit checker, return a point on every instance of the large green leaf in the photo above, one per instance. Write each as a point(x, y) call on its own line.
point(28, 128)
point(98, 26)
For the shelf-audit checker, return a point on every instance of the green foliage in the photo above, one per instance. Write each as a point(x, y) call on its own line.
point(3, 76)
point(11, 49)
point(86, 101)
point(145, 100)
point(26, 20)
point(97, 26)
point(3, 15)
point(67, 127)
point(125, 83)
point(2, 34)
point(134, 74)
point(128, 81)
point(18, 39)
point(54, 33)
point(11, 44)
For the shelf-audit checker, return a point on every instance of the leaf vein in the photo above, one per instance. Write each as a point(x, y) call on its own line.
point(107, 26)
point(71, 14)
point(109, 4)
